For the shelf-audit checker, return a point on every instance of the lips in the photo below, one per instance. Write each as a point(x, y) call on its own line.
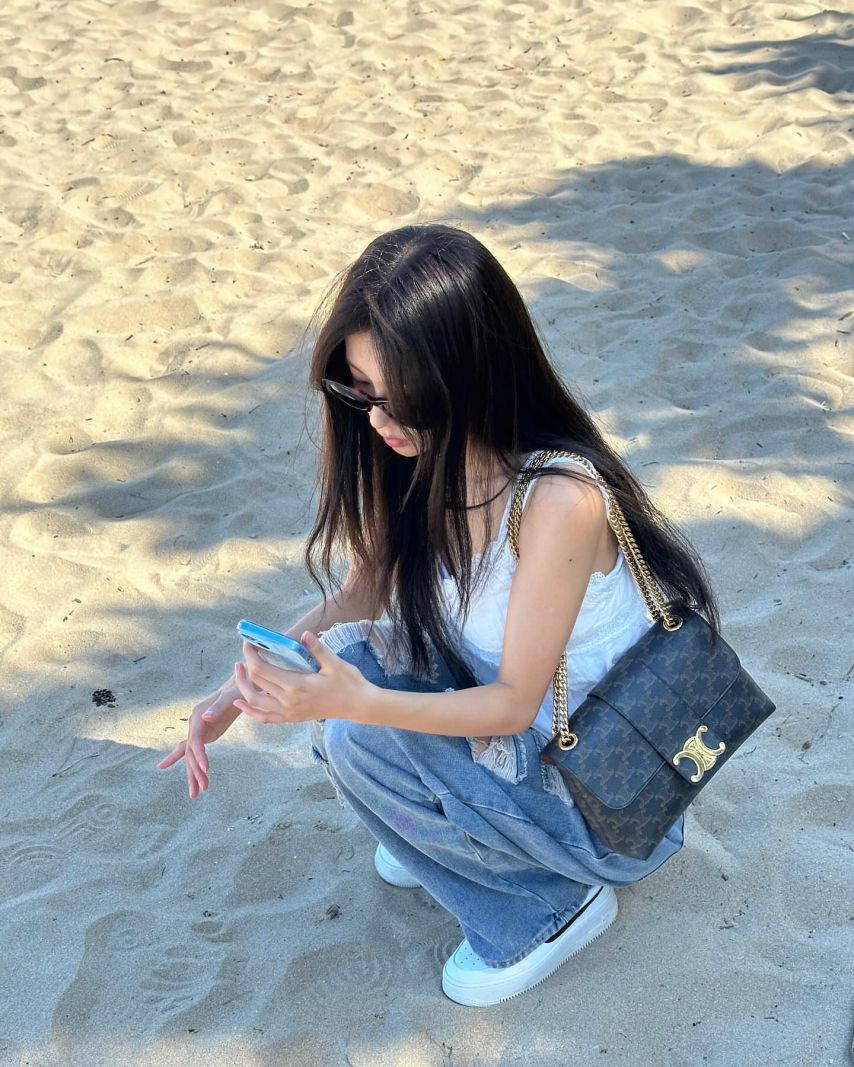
point(395, 442)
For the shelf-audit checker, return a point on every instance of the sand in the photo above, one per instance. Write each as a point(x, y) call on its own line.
point(670, 186)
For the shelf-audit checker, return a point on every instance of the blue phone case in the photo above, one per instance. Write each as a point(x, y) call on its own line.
point(277, 649)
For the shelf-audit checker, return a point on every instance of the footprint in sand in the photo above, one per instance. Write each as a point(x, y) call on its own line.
point(136, 192)
point(268, 870)
point(169, 987)
point(318, 792)
point(340, 969)
point(128, 975)
point(27, 866)
point(89, 820)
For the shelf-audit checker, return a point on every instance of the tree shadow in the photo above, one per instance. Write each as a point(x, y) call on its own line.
point(823, 61)
point(673, 281)
point(714, 279)
point(670, 292)
point(676, 282)
point(250, 427)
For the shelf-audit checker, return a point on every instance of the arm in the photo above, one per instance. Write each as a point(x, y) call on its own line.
point(350, 604)
point(211, 717)
point(564, 531)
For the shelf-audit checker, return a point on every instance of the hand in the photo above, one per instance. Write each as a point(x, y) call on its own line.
point(209, 720)
point(276, 694)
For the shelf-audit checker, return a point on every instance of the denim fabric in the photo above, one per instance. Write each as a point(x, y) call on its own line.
point(497, 842)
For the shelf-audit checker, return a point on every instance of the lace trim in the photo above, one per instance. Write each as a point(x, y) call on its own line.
point(391, 652)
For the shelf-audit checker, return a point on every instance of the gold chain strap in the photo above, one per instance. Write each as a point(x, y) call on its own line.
point(641, 573)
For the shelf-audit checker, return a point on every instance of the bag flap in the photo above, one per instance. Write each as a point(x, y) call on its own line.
point(668, 685)
point(610, 760)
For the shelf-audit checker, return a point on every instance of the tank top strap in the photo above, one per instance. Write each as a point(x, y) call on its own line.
point(505, 515)
point(564, 461)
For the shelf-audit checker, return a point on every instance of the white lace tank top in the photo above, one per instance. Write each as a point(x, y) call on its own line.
point(612, 617)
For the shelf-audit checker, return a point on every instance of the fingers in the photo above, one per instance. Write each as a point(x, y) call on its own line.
point(325, 657)
point(256, 669)
point(197, 780)
point(196, 759)
point(257, 713)
point(263, 708)
point(247, 690)
point(257, 699)
point(196, 777)
point(256, 703)
point(266, 676)
point(192, 781)
point(269, 693)
point(173, 757)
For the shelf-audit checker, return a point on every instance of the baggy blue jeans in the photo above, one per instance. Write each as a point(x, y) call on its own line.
point(498, 843)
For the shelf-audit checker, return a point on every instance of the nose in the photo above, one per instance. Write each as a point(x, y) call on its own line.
point(378, 418)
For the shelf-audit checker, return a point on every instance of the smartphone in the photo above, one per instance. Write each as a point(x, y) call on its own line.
point(276, 649)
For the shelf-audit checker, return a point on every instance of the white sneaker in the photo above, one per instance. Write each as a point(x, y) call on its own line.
point(467, 979)
point(391, 871)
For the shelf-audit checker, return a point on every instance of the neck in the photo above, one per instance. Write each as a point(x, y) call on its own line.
point(485, 476)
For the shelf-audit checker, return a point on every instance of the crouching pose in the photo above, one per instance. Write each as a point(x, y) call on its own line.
point(433, 700)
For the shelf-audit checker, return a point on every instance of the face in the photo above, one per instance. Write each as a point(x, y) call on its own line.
point(367, 377)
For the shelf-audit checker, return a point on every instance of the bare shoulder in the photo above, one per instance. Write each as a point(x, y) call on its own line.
point(562, 511)
point(563, 494)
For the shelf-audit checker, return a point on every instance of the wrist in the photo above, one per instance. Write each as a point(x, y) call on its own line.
point(367, 707)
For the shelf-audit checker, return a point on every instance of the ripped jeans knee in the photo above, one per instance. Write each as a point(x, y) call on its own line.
point(507, 757)
point(503, 755)
point(317, 753)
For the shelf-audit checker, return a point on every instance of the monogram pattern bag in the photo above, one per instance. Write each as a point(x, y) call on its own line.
point(664, 719)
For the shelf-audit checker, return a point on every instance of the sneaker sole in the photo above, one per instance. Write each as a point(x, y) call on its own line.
point(595, 926)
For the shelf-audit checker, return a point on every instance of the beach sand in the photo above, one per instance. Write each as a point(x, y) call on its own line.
point(670, 186)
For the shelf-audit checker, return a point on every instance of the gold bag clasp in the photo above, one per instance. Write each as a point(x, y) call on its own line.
point(696, 750)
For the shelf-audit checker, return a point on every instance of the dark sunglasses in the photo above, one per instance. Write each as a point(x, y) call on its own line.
point(354, 397)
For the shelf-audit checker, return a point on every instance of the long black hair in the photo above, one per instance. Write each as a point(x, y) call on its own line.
point(462, 364)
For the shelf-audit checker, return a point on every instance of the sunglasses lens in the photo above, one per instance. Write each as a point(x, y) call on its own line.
point(348, 395)
point(354, 398)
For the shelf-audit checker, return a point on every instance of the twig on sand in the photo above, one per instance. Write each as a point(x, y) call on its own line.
point(68, 767)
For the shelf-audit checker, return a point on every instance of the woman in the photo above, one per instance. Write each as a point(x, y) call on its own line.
point(433, 701)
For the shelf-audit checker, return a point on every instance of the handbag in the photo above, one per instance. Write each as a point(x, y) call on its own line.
point(661, 722)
